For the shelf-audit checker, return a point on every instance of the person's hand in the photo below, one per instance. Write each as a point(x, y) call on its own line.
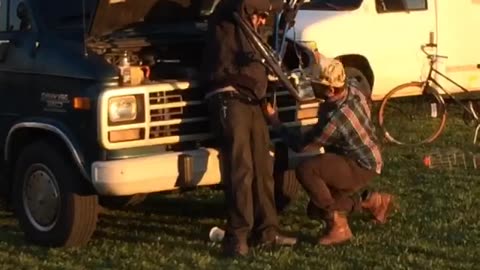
point(272, 114)
point(272, 78)
point(312, 147)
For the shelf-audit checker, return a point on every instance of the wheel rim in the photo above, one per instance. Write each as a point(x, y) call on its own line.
point(41, 197)
point(429, 131)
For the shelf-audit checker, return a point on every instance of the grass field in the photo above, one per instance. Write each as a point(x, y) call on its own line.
point(436, 227)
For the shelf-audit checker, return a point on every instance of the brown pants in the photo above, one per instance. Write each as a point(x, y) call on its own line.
point(332, 183)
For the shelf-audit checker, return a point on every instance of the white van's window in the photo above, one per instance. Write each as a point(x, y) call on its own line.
point(331, 4)
point(416, 4)
point(400, 5)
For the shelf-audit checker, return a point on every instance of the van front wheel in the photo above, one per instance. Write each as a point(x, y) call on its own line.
point(52, 202)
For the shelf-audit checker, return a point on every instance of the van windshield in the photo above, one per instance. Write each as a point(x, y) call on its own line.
point(331, 4)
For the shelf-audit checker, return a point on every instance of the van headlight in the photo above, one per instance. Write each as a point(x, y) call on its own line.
point(121, 109)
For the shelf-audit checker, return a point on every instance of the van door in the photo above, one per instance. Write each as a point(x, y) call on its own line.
point(458, 39)
point(16, 62)
point(401, 27)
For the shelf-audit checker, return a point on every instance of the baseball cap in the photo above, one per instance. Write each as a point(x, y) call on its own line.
point(329, 72)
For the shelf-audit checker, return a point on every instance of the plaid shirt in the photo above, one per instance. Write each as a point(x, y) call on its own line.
point(345, 128)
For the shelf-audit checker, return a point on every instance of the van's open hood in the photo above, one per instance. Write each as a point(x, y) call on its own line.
point(112, 15)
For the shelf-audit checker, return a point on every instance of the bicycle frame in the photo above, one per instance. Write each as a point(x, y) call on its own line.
point(430, 79)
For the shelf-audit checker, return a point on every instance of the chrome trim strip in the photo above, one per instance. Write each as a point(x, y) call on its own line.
point(53, 129)
point(177, 121)
point(178, 104)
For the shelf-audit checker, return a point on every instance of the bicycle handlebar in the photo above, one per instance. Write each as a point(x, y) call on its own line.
point(432, 56)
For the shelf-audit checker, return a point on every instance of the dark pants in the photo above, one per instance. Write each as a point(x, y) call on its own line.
point(246, 167)
point(332, 183)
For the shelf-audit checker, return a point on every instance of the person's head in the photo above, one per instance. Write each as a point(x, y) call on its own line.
point(258, 20)
point(328, 80)
point(257, 11)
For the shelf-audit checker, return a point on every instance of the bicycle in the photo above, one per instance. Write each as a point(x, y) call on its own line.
point(421, 95)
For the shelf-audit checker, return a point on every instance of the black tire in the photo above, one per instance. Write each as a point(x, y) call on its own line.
point(365, 87)
point(287, 189)
point(74, 216)
point(414, 130)
point(286, 184)
point(120, 202)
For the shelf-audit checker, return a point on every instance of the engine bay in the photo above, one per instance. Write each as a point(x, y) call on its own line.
point(142, 60)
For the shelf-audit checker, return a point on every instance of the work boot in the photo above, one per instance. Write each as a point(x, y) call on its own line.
point(233, 247)
point(379, 205)
point(337, 230)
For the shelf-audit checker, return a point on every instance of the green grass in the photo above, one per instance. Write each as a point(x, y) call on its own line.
point(436, 227)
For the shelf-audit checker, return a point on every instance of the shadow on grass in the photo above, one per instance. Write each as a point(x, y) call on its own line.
point(177, 217)
point(177, 221)
point(11, 235)
point(184, 207)
point(9, 231)
point(138, 230)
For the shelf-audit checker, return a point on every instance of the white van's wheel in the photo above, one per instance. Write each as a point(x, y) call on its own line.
point(358, 75)
point(52, 202)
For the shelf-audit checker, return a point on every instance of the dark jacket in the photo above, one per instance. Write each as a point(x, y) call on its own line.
point(229, 58)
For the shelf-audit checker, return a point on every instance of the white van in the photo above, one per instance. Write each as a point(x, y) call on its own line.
point(380, 40)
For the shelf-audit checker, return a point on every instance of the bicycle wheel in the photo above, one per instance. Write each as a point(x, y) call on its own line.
point(410, 115)
point(471, 117)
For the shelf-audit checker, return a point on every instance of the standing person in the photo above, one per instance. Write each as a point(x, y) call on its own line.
point(352, 155)
point(237, 83)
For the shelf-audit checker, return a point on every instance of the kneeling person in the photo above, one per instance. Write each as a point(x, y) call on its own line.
point(353, 157)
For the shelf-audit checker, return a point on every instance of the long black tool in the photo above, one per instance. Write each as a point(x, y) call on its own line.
point(270, 59)
point(255, 38)
point(288, 17)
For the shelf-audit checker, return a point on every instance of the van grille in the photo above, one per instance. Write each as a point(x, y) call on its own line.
point(175, 113)
point(178, 112)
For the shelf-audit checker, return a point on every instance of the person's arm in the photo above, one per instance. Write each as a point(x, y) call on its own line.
point(290, 138)
point(319, 135)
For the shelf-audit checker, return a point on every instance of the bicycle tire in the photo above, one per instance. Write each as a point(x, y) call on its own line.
point(471, 118)
point(441, 113)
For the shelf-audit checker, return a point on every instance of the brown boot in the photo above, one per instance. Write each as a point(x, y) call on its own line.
point(338, 230)
point(379, 205)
